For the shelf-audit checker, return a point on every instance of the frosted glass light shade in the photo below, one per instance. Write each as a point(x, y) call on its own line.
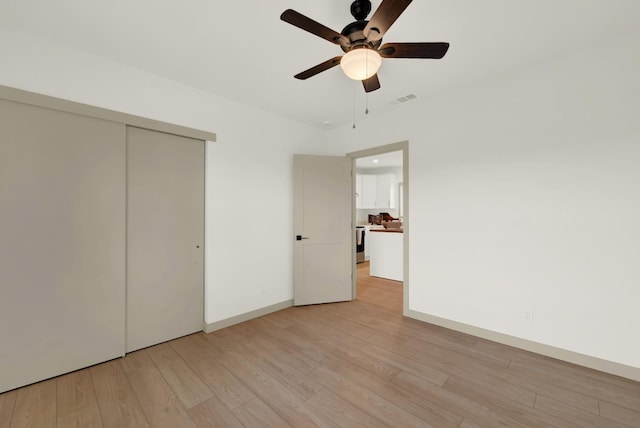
point(360, 64)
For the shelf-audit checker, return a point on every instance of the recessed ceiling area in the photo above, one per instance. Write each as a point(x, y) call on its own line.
point(242, 51)
point(384, 160)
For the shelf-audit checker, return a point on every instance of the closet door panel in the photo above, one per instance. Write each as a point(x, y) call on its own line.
point(165, 232)
point(62, 242)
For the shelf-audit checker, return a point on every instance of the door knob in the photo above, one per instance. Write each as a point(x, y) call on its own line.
point(300, 237)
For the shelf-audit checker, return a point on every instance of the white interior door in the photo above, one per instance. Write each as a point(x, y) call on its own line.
point(323, 256)
point(165, 232)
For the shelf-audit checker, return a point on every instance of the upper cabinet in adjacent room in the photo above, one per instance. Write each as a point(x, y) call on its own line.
point(376, 191)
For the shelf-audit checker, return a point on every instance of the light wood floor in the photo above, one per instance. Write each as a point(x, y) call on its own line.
point(348, 364)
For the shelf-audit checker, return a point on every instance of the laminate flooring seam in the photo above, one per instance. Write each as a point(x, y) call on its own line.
point(93, 385)
point(148, 421)
point(13, 407)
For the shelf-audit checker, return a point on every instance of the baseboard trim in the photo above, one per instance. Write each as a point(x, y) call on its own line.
point(228, 322)
point(610, 367)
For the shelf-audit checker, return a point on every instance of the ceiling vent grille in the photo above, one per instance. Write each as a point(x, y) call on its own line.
point(404, 99)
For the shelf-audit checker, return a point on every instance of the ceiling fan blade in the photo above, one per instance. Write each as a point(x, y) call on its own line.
point(318, 68)
point(307, 24)
point(371, 84)
point(383, 18)
point(414, 50)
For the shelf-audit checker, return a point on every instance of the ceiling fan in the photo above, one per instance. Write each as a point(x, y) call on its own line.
point(361, 41)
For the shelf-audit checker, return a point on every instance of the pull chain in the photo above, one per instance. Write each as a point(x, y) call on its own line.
point(354, 108)
point(366, 103)
point(366, 94)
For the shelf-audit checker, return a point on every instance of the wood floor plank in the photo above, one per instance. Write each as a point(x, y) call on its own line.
point(577, 374)
point(74, 392)
point(288, 376)
point(256, 413)
point(158, 401)
point(289, 406)
point(340, 317)
point(119, 406)
point(184, 382)
point(384, 354)
point(214, 414)
point(220, 381)
point(342, 412)
point(136, 360)
point(292, 357)
point(7, 404)
point(339, 350)
point(86, 417)
point(508, 352)
point(77, 405)
point(470, 411)
point(278, 319)
point(35, 406)
point(425, 410)
point(554, 374)
point(620, 414)
point(366, 400)
point(518, 406)
point(469, 424)
point(464, 357)
point(537, 386)
point(302, 345)
point(573, 415)
point(495, 387)
point(603, 379)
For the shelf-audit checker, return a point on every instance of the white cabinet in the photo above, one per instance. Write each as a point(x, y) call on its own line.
point(384, 190)
point(369, 191)
point(376, 191)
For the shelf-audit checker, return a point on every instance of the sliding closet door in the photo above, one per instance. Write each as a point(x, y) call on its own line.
point(165, 233)
point(62, 242)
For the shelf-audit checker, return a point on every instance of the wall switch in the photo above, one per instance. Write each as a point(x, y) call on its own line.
point(527, 315)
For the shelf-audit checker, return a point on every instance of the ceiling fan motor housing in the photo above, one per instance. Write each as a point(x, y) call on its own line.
point(354, 32)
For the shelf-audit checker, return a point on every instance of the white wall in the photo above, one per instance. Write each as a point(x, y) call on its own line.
point(524, 190)
point(249, 242)
point(525, 193)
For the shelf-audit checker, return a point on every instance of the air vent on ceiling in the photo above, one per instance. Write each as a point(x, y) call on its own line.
point(404, 99)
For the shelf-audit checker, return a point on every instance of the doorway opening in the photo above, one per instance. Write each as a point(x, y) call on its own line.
point(380, 189)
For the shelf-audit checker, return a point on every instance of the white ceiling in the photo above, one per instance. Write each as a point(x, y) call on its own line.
point(384, 160)
point(242, 51)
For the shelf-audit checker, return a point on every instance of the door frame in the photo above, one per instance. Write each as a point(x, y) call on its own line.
point(394, 147)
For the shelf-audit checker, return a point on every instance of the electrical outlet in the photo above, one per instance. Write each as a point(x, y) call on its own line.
point(527, 315)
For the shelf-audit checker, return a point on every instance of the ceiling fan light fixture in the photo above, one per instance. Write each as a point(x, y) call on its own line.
point(361, 64)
